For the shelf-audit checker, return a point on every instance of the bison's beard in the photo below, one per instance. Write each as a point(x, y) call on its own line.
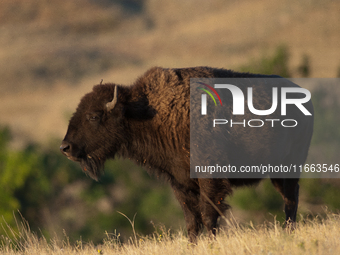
point(92, 166)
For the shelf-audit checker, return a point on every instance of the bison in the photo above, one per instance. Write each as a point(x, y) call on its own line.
point(149, 123)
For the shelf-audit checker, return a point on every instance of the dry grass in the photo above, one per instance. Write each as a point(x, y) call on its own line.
point(318, 236)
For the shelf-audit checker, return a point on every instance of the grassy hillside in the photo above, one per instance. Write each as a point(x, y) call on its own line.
point(51, 53)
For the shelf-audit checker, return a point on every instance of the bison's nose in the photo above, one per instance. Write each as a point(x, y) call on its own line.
point(65, 148)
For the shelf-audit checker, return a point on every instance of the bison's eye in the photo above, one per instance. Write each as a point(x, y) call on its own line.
point(93, 116)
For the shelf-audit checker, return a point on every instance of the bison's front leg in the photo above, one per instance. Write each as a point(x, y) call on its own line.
point(189, 201)
point(209, 215)
point(212, 194)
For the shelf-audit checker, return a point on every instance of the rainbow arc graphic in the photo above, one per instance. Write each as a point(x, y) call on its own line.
point(204, 97)
point(209, 93)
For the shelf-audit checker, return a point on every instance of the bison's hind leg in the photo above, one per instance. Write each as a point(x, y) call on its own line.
point(289, 189)
point(212, 194)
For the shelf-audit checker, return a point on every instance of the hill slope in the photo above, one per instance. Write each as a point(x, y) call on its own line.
point(52, 53)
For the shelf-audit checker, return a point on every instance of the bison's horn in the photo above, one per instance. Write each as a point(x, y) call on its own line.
point(111, 105)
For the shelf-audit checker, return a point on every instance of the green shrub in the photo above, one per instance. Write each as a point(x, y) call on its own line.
point(275, 64)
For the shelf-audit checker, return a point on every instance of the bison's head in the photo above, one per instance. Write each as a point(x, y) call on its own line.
point(108, 121)
point(94, 130)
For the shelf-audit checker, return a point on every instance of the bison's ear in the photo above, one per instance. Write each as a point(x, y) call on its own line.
point(139, 110)
point(111, 105)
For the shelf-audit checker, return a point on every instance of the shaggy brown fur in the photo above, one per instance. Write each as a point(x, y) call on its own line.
point(150, 124)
